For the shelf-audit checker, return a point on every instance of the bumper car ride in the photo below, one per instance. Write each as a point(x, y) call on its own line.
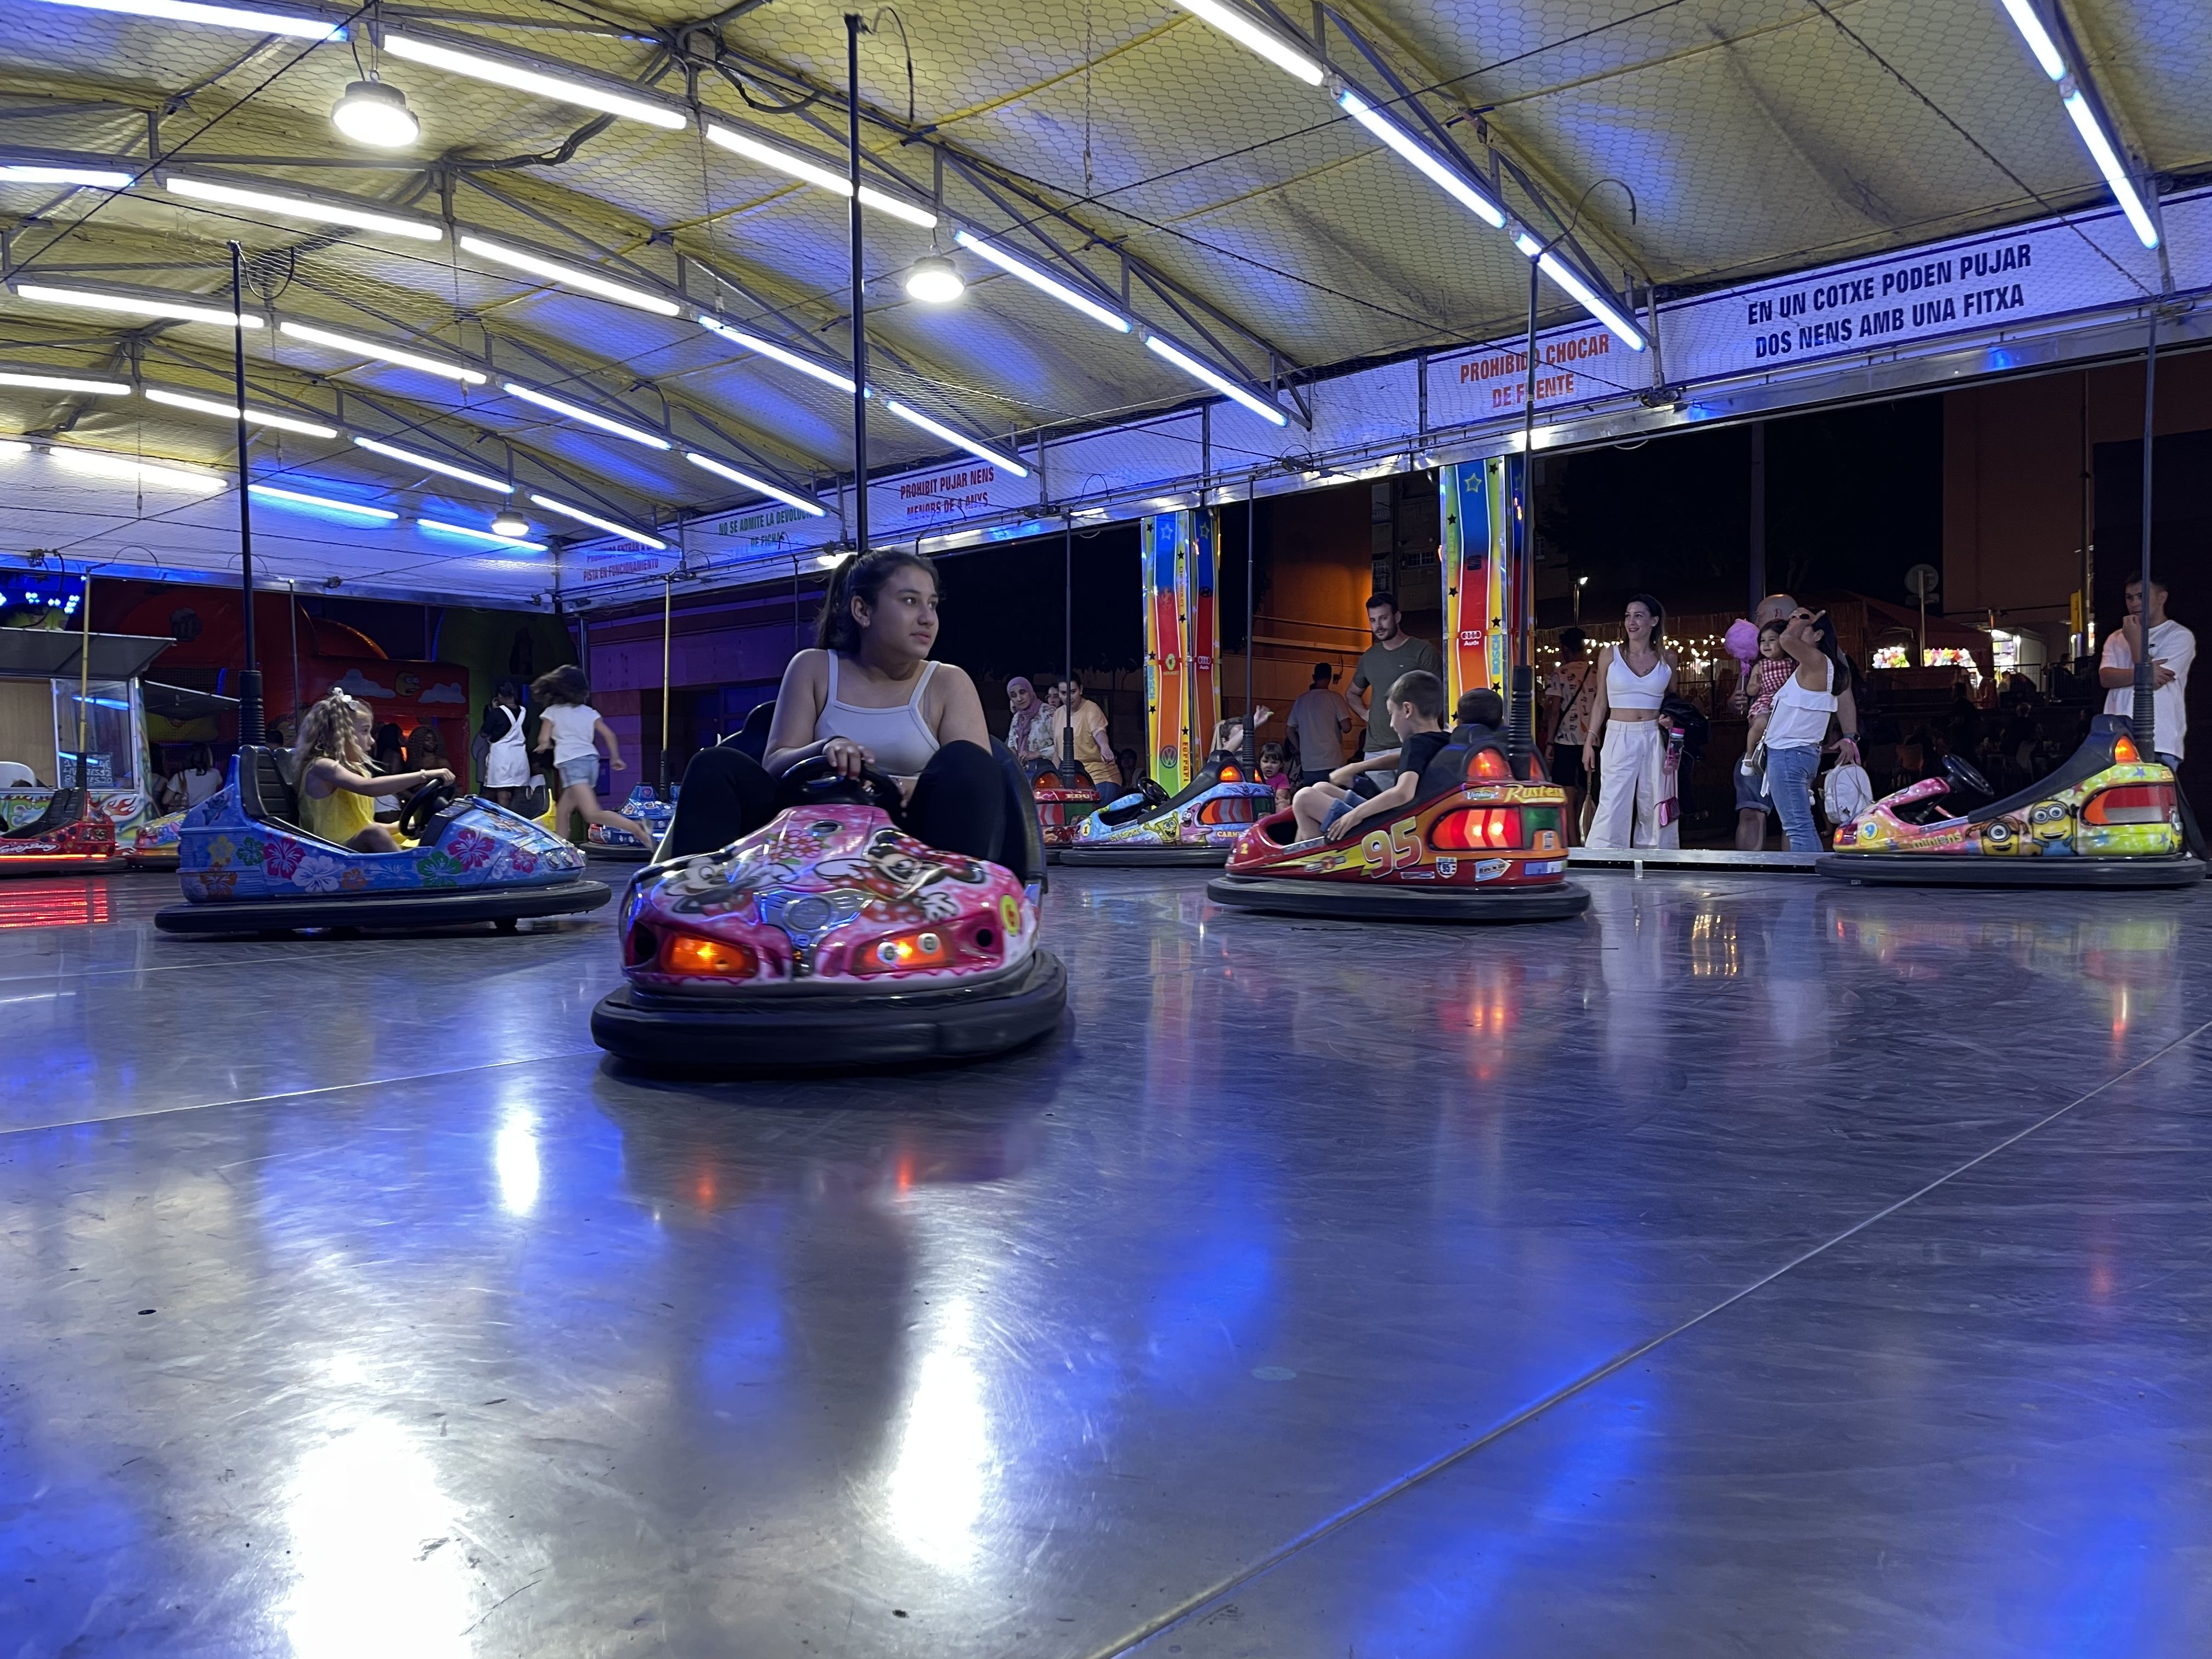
point(1196, 826)
point(1492, 848)
point(1060, 811)
point(606, 841)
point(69, 838)
point(153, 844)
point(830, 940)
point(246, 866)
point(2109, 818)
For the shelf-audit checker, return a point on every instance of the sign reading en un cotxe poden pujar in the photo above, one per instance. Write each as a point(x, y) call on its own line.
point(1970, 286)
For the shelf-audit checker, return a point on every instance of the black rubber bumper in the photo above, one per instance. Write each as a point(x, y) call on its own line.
point(1337, 900)
point(1981, 870)
point(781, 1033)
point(1145, 858)
point(406, 911)
point(617, 854)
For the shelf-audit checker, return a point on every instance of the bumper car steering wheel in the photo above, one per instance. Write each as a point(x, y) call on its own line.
point(423, 806)
point(1966, 776)
point(815, 781)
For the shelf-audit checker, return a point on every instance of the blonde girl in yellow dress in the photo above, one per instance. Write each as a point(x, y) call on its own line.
point(337, 793)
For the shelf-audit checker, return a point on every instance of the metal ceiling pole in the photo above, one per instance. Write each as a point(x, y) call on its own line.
point(1251, 581)
point(1521, 716)
point(667, 623)
point(292, 604)
point(83, 677)
point(859, 293)
point(251, 728)
point(2146, 716)
point(1065, 770)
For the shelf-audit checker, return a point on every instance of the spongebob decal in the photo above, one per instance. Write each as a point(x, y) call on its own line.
point(2106, 806)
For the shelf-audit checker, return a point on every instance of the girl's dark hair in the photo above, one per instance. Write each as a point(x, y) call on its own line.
point(863, 578)
point(1658, 612)
point(566, 684)
point(1824, 636)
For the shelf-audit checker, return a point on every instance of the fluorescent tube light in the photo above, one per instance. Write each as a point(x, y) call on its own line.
point(916, 417)
point(569, 277)
point(1445, 176)
point(99, 464)
point(814, 509)
point(134, 305)
point(39, 172)
point(2029, 22)
point(1582, 293)
point(229, 413)
point(228, 18)
point(487, 536)
point(2108, 161)
point(1591, 300)
point(589, 417)
point(561, 89)
point(328, 503)
point(43, 381)
point(814, 173)
point(302, 207)
point(1221, 383)
point(783, 354)
point(482, 480)
point(1044, 284)
point(599, 523)
point(1269, 44)
point(379, 352)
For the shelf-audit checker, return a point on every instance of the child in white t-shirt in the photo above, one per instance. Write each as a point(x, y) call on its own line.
point(572, 729)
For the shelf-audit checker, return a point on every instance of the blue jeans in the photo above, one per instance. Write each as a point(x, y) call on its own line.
point(1790, 774)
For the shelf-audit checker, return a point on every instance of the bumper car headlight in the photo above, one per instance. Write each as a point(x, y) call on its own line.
point(688, 956)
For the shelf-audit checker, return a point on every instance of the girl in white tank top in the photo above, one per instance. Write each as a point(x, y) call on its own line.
point(898, 736)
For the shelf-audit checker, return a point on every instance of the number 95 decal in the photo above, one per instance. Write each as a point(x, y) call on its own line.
point(1385, 851)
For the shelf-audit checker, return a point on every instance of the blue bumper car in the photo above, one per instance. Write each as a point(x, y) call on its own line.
point(246, 866)
point(604, 841)
point(1199, 825)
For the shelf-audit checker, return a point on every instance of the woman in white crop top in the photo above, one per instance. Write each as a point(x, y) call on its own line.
point(1803, 705)
point(1626, 745)
point(867, 694)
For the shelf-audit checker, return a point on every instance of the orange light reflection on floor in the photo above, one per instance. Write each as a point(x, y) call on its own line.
point(54, 907)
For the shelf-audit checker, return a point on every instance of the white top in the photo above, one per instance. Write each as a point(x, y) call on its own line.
point(1800, 719)
point(572, 724)
point(1625, 688)
point(506, 762)
point(2175, 646)
point(199, 786)
point(897, 736)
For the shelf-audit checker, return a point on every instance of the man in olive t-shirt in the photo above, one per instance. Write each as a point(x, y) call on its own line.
point(1393, 652)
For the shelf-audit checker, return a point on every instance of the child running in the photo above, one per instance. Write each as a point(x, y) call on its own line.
point(1337, 806)
point(572, 730)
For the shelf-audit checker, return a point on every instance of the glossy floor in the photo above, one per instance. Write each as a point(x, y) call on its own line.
point(1755, 1266)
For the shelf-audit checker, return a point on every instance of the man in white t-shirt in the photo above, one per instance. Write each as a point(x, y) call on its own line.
point(2172, 648)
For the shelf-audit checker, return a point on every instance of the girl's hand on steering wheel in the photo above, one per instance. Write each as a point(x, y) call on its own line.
point(435, 775)
point(848, 756)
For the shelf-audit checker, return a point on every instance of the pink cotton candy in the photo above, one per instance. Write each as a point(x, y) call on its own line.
point(1741, 641)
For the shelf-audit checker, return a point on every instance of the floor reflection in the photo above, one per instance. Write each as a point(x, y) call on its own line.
point(516, 1353)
